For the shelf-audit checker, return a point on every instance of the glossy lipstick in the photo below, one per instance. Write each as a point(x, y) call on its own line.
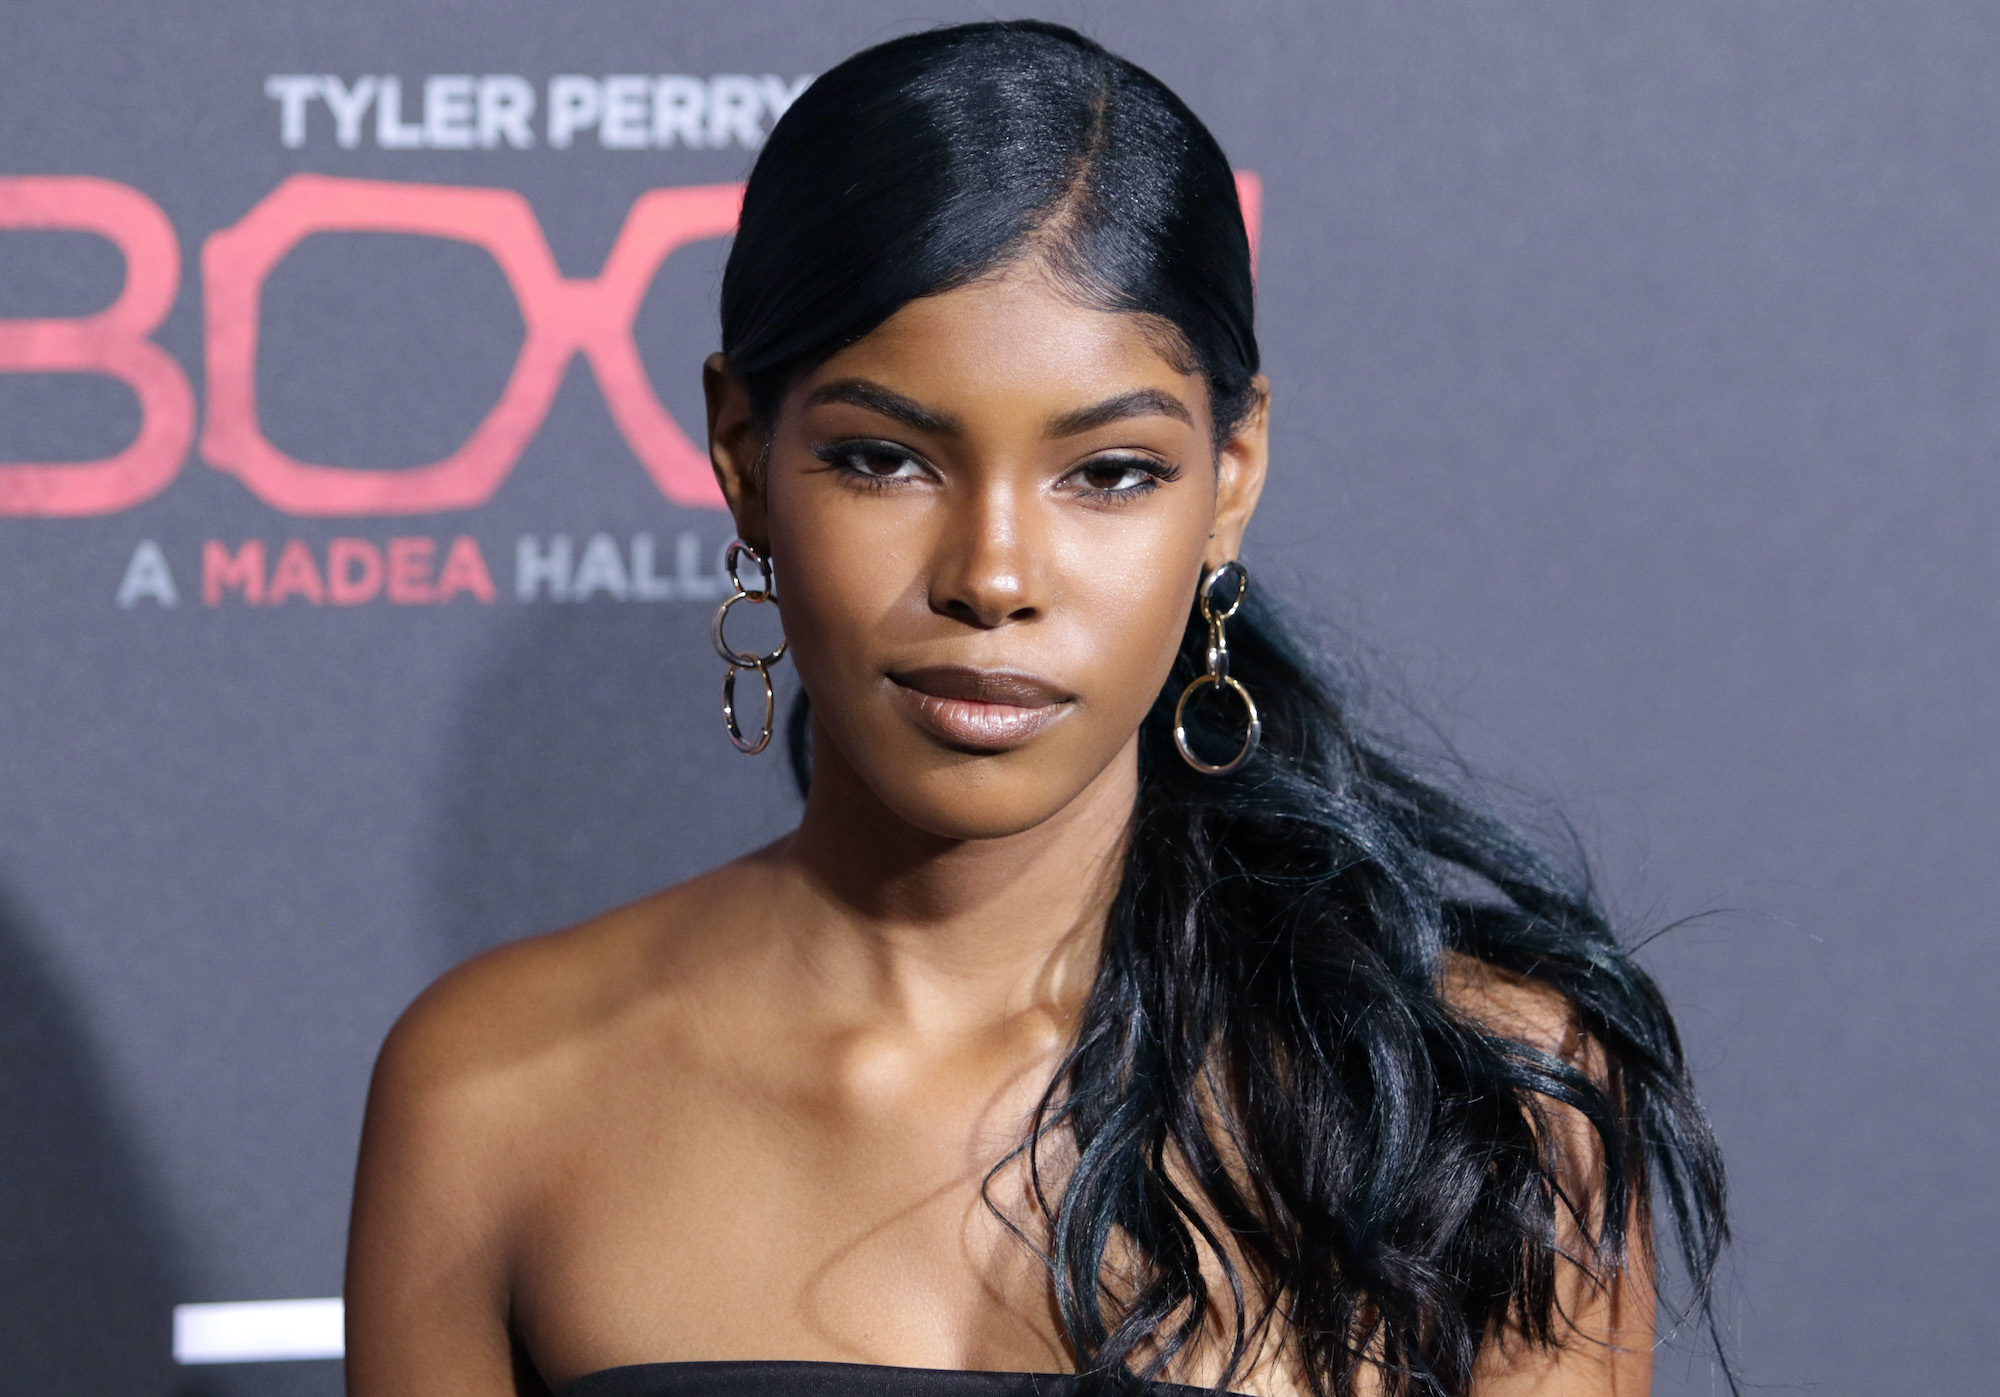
point(979, 710)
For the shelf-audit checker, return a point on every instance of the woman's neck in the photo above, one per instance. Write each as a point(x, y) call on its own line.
point(946, 931)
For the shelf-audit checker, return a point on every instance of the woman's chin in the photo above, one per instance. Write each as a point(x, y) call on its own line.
point(966, 804)
point(956, 796)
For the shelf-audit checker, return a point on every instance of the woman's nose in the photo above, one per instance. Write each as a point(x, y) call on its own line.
point(989, 570)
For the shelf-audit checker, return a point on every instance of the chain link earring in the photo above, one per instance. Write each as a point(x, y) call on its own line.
point(746, 659)
point(1218, 671)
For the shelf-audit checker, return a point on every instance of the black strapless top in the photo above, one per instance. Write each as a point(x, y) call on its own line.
point(788, 1378)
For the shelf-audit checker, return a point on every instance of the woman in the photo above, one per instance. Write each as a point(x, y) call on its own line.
point(1117, 1009)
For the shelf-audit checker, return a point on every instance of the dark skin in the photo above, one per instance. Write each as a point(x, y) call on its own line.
point(748, 1117)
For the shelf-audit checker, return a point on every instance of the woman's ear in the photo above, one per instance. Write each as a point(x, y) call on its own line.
point(1239, 468)
point(736, 448)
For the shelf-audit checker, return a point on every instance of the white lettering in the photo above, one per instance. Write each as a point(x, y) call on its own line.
point(348, 105)
point(689, 580)
point(646, 584)
point(535, 566)
point(623, 124)
point(733, 101)
point(462, 112)
point(147, 575)
point(574, 103)
point(291, 91)
point(678, 104)
point(391, 131)
point(448, 112)
point(600, 569)
point(506, 103)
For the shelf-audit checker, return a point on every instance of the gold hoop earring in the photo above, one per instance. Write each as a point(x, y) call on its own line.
point(1218, 672)
point(746, 659)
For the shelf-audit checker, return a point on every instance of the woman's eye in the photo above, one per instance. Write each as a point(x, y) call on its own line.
point(872, 460)
point(1118, 476)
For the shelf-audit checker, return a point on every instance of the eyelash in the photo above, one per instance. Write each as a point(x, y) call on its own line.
point(841, 456)
point(1153, 474)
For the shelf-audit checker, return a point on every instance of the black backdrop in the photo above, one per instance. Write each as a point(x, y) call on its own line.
point(1635, 414)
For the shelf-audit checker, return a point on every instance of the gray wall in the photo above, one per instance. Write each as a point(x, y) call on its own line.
point(1635, 413)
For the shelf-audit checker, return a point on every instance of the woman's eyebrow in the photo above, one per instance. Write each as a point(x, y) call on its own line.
point(860, 392)
point(1140, 402)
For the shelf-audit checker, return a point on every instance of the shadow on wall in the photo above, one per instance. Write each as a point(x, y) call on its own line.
point(86, 1262)
point(589, 767)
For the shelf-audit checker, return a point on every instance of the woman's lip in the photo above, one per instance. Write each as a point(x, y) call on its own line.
point(1011, 687)
point(979, 710)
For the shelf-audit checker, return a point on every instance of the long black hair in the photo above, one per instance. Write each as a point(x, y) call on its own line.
point(1270, 1084)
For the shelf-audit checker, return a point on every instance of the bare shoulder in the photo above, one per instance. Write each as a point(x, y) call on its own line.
point(1514, 1006)
point(478, 1089)
point(507, 1009)
point(513, 1028)
point(1527, 1011)
point(466, 1079)
point(1604, 1313)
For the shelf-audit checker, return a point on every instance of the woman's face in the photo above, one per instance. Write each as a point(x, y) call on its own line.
point(988, 519)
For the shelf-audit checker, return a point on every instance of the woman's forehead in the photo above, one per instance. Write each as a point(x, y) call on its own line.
point(1017, 337)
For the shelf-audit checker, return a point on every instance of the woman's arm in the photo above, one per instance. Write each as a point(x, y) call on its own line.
point(427, 1271)
point(1605, 1325)
point(1605, 1348)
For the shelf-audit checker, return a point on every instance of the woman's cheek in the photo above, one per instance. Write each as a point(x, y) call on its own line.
point(836, 574)
point(830, 640)
point(841, 615)
point(1135, 604)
